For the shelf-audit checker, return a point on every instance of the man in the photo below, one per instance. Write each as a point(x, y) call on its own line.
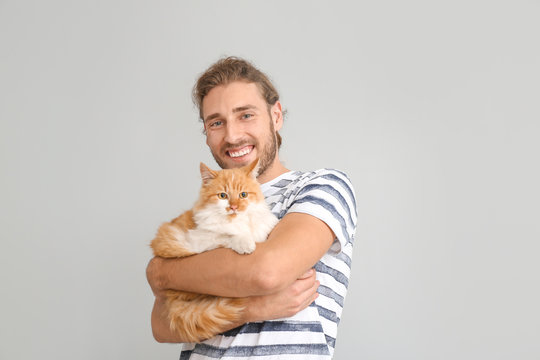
point(293, 312)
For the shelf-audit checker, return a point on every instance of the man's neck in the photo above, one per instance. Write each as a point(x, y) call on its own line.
point(272, 172)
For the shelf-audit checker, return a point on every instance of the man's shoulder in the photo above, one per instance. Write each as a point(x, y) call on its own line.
point(327, 173)
point(326, 186)
point(300, 178)
point(293, 183)
point(325, 177)
point(326, 194)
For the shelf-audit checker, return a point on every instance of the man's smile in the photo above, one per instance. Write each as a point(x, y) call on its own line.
point(239, 152)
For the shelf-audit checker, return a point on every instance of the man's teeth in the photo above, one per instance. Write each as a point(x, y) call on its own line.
point(242, 152)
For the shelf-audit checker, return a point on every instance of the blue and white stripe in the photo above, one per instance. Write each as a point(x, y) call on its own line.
point(311, 334)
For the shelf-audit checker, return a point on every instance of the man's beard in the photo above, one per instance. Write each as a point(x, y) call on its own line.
point(266, 157)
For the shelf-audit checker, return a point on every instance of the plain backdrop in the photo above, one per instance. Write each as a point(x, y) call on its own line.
point(431, 107)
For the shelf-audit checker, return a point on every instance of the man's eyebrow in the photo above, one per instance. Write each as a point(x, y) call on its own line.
point(210, 117)
point(244, 108)
point(235, 110)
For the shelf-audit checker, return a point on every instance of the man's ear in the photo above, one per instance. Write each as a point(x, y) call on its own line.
point(207, 174)
point(277, 115)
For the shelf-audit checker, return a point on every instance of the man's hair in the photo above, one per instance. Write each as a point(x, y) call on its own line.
point(229, 69)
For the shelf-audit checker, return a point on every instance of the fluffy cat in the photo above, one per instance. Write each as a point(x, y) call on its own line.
point(231, 212)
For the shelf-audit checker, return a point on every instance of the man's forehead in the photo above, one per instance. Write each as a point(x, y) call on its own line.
point(231, 96)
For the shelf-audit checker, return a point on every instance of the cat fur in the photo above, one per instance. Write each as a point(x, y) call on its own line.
point(236, 223)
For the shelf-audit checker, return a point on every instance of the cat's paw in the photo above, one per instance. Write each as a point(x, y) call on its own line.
point(244, 247)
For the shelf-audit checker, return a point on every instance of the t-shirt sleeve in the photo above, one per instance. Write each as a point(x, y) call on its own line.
point(329, 196)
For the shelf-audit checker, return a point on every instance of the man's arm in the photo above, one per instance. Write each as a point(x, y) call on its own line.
point(284, 303)
point(296, 244)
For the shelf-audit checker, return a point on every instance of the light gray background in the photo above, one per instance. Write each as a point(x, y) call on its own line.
point(432, 108)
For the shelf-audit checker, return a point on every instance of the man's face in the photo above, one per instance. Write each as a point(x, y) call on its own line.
point(239, 126)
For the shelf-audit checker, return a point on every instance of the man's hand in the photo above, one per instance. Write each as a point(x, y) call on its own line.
point(285, 303)
point(153, 276)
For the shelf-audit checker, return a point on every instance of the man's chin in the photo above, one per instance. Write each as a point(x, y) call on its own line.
point(228, 162)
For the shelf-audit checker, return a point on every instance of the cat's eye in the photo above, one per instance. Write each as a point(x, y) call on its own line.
point(243, 195)
point(223, 195)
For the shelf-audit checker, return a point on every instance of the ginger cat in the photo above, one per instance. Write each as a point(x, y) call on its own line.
point(231, 212)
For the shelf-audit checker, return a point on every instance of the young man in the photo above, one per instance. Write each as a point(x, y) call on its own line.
point(294, 311)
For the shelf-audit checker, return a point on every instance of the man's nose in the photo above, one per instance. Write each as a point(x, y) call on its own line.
point(233, 132)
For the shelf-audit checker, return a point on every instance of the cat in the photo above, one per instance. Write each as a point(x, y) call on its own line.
point(231, 212)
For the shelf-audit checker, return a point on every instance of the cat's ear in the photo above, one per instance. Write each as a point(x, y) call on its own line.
point(207, 174)
point(253, 168)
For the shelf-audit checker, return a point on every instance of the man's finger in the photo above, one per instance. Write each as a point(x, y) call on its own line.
point(307, 274)
point(309, 300)
point(306, 285)
point(309, 288)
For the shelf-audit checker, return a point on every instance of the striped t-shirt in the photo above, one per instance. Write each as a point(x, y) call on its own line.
point(310, 334)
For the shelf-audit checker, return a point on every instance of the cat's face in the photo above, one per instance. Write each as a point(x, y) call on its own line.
point(230, 191)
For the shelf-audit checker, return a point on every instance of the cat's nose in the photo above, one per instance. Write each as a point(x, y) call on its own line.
point(234, 207)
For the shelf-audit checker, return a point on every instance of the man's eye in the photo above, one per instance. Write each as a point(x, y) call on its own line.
point(222, 195)
point(247, 116)
point(216, 123)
